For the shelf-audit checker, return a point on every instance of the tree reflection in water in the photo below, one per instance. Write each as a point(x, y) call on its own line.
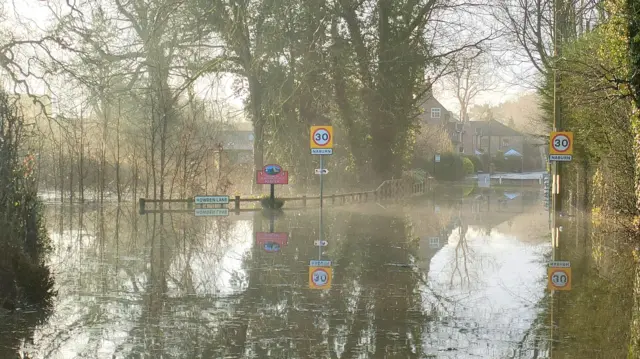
point(373, 307)
point(177, 286)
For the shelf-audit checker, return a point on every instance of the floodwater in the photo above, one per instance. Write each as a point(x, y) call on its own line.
point(453, 277)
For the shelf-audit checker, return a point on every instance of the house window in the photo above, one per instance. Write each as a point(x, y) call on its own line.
point(434, 242)
point(461, 149)
point(505, 142)
point(484, 142)
point(435, 112)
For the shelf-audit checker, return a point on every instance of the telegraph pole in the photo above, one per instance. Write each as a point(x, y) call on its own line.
point(556, 200)
point(557, 118)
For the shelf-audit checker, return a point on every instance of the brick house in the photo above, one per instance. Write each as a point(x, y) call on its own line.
point(491, 137)
point(435, 114)
point(474, 138)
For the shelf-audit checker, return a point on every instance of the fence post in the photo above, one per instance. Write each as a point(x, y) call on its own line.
point(304, 201)
point(333, 198)
point(237, 204)
point(142, 204)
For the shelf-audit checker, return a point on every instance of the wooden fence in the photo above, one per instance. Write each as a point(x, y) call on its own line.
point(389, 189)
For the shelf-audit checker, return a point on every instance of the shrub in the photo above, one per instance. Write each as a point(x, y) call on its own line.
point(26, 280)
point(450, 168)
point(276, 203)
point(467, 166)
point(477, 163)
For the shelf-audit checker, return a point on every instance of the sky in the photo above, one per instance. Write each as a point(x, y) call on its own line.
point(37, 14)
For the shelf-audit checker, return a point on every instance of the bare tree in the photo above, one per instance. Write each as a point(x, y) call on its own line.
point(433, 139)
point(532, 24)
point(470, 76)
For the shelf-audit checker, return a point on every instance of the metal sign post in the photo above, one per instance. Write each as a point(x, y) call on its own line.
point(321, 143)
point(272, 219)
point(321, 190)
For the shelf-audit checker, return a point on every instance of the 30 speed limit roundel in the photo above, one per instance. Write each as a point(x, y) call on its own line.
point(559, 274)
point(320, 277)
point(321, 137)
point(561, 143)
point(559, 278)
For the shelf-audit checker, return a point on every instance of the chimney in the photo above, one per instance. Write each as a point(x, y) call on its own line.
point(429, 93)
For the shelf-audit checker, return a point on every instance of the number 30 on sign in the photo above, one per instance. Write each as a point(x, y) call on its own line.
point(321, 140)
point(320, 277)
point(561, 143)
point(559, 275)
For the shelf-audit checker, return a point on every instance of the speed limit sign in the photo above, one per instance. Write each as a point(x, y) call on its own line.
point(561, 143)
point(559, 275)
point(321, 140)
point(320, 277)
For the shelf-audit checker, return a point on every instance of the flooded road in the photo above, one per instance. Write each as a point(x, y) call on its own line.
point(436, 278)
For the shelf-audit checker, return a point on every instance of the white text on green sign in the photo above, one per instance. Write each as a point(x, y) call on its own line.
point(562, 158)
point(212, 199)
point(559, 264)
point(211, 212)
point(322, 151)
point(320, 263)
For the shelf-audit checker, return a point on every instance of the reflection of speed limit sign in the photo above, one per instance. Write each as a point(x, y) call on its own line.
point(321, 139)
point(559, 278)
point(561, 143)
point(320, 277)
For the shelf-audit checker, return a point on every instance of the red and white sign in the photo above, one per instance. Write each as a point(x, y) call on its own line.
point(321, 137)
point(272, 174)
point(280, 178)
point(268, 239)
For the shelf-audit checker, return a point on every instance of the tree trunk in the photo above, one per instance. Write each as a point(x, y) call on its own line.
point(81, 161)
point(163, 149)
point(136, 172)
point(71, 173)
point(255, 96)
point(118, 184)
point(61, 173)
point(358, 146)
point(103, 149)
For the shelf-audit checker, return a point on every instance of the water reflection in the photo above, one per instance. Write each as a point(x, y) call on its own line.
point(408, 282)
point(593, 320)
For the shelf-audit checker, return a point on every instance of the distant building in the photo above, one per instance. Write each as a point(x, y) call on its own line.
point(490, 137)
point(435, 114)
point(430, 245)
point(237, 142)
point(476, 138)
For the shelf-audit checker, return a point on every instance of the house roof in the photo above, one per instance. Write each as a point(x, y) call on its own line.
point(512, 153)
point(493, 127)
point(431, 102)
